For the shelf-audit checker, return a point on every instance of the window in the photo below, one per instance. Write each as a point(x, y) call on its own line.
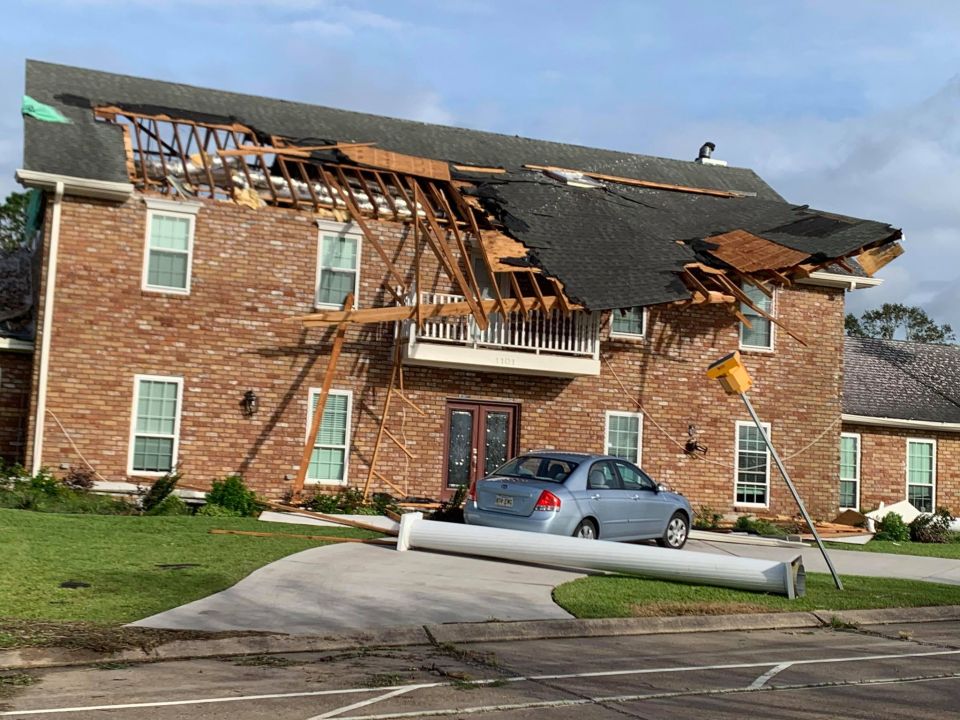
point(628, 323)
point(156, 424)
point(752, 466)
point(921, 473)
point(760, 335)
point(634, 478)
point(602, 476)
point(328, 463)
point(849, 471)
point(169, 250)
point(338, 265)
point(624, 435)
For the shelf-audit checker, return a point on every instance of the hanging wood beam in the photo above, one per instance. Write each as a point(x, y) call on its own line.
point(515, 284)
point(321, 405)
point(745, 299)
point(561, 296)
point(384, 417)
point(467, 211)
point(538, 292)
point(441, 200)
point(398, 313)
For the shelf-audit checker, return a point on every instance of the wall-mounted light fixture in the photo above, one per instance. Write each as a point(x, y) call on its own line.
point(250, 403)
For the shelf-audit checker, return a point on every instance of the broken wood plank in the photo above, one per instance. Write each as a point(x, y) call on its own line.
point(398, 162)
point(321, 538)
point(872, 260)
point(640, 183)
point(335, 519)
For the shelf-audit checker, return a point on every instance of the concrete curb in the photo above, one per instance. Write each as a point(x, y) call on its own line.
point(453, 633)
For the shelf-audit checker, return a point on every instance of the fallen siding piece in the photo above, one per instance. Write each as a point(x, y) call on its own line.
point(782, 578)
point(336, 519)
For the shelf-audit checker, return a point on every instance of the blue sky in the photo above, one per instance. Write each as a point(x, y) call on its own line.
point(851, 106)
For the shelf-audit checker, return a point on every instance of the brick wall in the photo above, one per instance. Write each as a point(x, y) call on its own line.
point(254, 270)
point(883, 465)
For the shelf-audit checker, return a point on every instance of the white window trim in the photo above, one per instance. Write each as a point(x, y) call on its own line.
point(133, 424)
point(312, 393)
point(350, 229)
point(170, 208)
point(933, 469)
point(736, 463)
point(857, 480)
point(773, 329)
point(606, 432)
point(630, 336)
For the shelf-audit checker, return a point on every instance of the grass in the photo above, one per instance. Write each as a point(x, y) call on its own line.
point(942, 550)
point(619, 596)
point(121, 558)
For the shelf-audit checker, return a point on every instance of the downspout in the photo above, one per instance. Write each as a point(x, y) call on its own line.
point(46, 331)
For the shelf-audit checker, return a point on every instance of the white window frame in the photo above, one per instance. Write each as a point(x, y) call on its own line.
point(773, 327)
point(181, 211)
point(855, 480)
point(626, 335)
point(347, 437)
point(606, 433)
point(933, 469)
point(736, 463)
point(175, 456)
point(326, 227)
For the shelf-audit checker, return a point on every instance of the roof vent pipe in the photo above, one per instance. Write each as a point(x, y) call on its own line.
point(706, 150)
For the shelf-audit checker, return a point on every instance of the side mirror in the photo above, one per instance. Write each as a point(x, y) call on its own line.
point(662, 488)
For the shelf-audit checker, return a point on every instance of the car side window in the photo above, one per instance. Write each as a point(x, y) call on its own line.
point(634, 478)
point(602, 476)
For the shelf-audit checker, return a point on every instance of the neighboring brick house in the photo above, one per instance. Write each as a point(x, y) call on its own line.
point(901, 424)
point(171, 313)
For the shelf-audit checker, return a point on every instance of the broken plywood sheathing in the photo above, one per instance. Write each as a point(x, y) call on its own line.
point(397, 162)
point(872, 260)
point(750, 253)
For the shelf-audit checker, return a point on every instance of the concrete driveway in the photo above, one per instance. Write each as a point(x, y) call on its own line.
point(353, 587)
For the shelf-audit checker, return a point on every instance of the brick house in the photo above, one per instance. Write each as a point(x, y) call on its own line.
point(901, 424)
point(198, 248)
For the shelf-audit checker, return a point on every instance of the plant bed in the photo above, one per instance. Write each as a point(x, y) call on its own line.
point(950, 550)
point(124, 568)
point(609, 596)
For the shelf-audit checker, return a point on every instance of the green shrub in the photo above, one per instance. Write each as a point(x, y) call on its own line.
point(45, 483)
point(160, 490)
point(23, 496)
point(932, 528)
point(212, 510)
point(170, 505)
point(81, 479)
point(893, 528)
point(756, 526)
point(233, 494)
point(349, 501)
point(706, 518)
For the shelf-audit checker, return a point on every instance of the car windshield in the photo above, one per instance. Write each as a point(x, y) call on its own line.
point(537, 467)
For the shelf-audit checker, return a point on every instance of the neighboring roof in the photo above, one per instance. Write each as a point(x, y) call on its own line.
point(579, 234)
point(902, 380)
point(95, 150)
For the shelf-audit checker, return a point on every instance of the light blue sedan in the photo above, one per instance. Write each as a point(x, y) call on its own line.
point(587, 496)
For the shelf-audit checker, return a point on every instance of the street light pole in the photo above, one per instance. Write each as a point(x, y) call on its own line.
point(793, 490)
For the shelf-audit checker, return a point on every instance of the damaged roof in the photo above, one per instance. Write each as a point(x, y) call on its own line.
point(612, 244)
point(95, 150)
point(901, 380)
point(579, 234)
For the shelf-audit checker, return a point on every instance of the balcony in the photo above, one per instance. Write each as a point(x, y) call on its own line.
point(549, 344)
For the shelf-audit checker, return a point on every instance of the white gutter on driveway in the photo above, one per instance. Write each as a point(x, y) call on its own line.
point(772, 576)
point(46, 331)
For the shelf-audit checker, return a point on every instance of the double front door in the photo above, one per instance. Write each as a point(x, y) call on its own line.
point(480, 437)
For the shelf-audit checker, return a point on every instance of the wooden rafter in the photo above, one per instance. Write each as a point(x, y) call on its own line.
point(317, 419)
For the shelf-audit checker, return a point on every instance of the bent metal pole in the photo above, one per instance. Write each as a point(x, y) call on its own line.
point(793, 490)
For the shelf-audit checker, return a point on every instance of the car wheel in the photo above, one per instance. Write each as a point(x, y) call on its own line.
point(675, 536)
point(586, 530)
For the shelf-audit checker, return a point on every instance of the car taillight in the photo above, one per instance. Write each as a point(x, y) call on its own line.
point(548, 502)
point(472, 492)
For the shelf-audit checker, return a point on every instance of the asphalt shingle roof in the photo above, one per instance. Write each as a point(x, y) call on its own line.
point(902, 380)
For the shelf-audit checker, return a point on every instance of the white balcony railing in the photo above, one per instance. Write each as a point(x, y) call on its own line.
point(553, 333)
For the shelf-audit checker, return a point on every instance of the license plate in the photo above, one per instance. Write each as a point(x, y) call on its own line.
point(504, 501)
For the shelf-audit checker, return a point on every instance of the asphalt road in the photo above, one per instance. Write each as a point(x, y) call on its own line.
point(910, 670)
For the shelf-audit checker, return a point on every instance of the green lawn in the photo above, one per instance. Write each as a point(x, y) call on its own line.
point(608, 596)
point(120, 558)
point(942, 550)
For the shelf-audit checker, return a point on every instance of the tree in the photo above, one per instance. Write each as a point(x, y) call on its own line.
point(891, 318)
point(13, 220)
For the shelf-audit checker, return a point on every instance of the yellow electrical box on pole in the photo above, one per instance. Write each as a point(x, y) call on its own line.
point(731, 373)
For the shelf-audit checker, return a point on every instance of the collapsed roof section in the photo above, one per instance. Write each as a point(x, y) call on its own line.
point(602, 229)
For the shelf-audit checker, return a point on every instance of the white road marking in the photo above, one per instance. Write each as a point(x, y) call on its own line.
point(762, 680)
point(370, 701)
point(558, 676)
point(545, 704)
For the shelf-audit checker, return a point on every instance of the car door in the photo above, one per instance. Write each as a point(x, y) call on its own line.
point(607, 500)
point(649, 511)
